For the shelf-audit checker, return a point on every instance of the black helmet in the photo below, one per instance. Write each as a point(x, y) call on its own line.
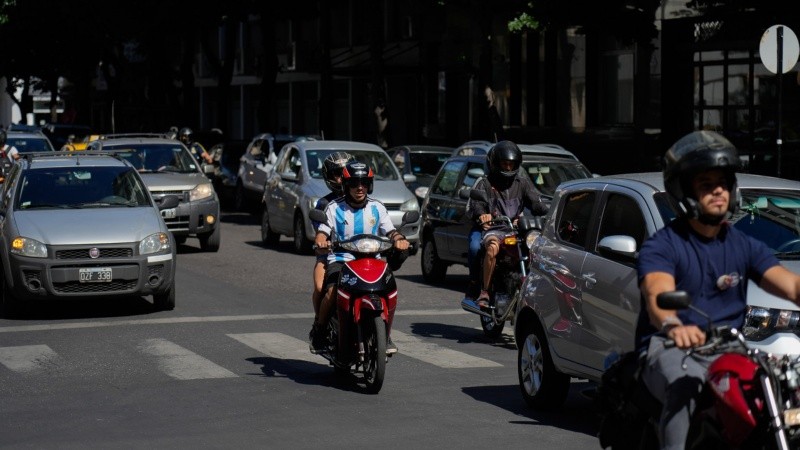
point(2, 137)
point(504, 151)
point(694, 153)
point(332, 167)
point(184, 134)
point(356, 173)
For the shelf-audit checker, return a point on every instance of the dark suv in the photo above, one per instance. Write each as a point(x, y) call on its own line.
point(445, 229)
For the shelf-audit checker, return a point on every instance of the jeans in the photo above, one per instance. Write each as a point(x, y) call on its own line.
point(472, 257)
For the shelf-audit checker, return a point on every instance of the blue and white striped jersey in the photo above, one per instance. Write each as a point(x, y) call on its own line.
point(371, 219)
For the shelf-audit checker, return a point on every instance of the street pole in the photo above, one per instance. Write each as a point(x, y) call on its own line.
point(780, 94)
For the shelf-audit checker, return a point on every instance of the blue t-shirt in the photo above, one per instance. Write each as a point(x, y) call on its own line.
point(698, 264)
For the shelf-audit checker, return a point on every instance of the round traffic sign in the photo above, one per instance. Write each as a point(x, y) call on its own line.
point(768, 49)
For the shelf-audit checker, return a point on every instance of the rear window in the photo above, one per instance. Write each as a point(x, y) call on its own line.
point(30, 144)
point(156, 157)
point(547, 176)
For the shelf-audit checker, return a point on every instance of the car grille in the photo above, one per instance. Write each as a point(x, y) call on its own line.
point(31, 275)
point(157, 269)
point(182, 195)
point(83, 253)
point(177, 223)
point(76, 287)
point(392, 206)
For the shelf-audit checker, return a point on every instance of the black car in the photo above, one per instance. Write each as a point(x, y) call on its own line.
point(419, 165)
point(226, 156)
point(444, 238)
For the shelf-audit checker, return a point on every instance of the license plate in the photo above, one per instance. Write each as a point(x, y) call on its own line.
point(95, 275)
point(168, 213)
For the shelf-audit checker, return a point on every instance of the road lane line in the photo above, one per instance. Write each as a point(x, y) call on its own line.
point(26, 358)
point(194, 319)
point(181, 363)
point(437, 355)
point(279, 345)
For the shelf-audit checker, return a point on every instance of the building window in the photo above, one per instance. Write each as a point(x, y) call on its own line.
point(616, 84)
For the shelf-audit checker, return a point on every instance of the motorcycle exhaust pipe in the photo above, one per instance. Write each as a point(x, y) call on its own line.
point(471, 306)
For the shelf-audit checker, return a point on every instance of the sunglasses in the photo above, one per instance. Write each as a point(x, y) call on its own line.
point(356, 182)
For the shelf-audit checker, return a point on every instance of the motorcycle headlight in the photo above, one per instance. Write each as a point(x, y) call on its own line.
point(530, 238)
point(760, 323)
point(200, 192)
point(366, 245)
point(28, 247)
point(410, 205)
point(155, 243)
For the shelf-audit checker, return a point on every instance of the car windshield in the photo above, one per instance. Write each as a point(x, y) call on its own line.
point(379, 162)
point(426, 165)
point(29, 144)
point(546, 176)
point(81, 187)
point(156, 157)
point(773, 217)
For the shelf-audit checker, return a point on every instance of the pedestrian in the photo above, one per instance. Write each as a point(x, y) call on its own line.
point(7, 151)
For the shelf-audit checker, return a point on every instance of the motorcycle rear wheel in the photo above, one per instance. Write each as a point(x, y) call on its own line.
point(374, 333)
point(490, 328)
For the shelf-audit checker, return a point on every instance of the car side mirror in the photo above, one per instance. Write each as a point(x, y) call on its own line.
point(478, 195)
point(624, 246)
point(421, 191)
point(674, 300)
point(409, 178)
point(167, 202)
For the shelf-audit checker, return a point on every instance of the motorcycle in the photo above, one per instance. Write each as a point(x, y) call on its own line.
point(366, 298)
point(750, 399)
point(510, 270)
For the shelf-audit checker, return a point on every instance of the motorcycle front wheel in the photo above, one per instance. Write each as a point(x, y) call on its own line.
point(374, 333)
point(490, 328)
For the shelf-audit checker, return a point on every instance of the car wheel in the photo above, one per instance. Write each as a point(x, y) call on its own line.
point(301, 244)
point(165, 301)
point(9, 306)
point(179, 240)
point(268, 237)
point(542, 386)
point(209, 242)
point(433, 269)
point(239, 201)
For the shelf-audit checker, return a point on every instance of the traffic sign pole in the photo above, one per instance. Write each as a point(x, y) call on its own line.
point(779, 142)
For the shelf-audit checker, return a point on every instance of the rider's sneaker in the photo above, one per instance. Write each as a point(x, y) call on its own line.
point(391, 348)
point(317, 340)
point(483, 300)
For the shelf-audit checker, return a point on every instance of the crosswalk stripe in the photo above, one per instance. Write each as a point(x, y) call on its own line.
point(436, 354)
point(278, 345)
point(26, 358)
point(181, 363)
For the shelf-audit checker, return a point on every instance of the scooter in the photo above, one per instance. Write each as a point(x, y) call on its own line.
point(366, 298)
point(511, 268)
point(750, 399)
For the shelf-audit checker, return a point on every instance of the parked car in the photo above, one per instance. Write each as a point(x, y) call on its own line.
point(226, 156)
point(581, 299)
point(29, 141)
point(167, 168)
point(419, 164)
point(52, 247)
point(296, 184)
point(481, 148)
point(256, 163)
point(445, 230)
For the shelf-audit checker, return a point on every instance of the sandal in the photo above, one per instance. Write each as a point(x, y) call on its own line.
point(483, 300)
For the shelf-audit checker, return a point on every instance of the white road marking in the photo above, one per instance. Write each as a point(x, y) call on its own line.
point(171, 320)
point(181, 363)
point(437, 355)
point(26, 358)
point(279, 345)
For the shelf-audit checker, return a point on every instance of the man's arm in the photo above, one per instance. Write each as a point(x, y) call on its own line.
point(532, 197)
point(781, 282)
point(477, 208)
point(685, 336)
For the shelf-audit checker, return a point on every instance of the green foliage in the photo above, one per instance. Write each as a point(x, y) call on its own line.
point(523, 22)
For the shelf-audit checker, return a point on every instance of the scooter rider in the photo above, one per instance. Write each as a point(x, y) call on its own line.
point(351, 214)
point(509, 192)
point(701, 253)
point(332, 168)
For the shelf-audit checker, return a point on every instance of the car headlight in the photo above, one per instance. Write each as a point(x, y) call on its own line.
point(201, 191)
point(410, 205)
point(760, 323)
point(155, 243)
point(28, 247)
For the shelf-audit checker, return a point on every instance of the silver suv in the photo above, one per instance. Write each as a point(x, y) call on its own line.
point(78, 225)
point(167, 168)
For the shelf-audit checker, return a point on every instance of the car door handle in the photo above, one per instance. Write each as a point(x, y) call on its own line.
point(589, 278)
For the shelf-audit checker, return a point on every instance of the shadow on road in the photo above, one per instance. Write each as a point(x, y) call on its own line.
point(451, 282)
point(81, 308)
point(577, 414)
point(305, 372)
point(459, 334)
point(240, 218)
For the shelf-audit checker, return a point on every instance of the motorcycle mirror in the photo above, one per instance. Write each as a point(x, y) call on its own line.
point(410, 217)
point(317, 216)
point(673, 300)
point(478, 195)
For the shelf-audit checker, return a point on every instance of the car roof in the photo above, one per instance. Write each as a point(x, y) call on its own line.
point(338, 145)
point(138, 140)
point(422, 149)
point(49, 160)
point(655, 181)
point(25, 134)
point(537, 149)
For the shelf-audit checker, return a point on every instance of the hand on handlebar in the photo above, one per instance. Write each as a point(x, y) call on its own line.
point(401, 244)
point(485, 219)
point(321, 244)
point(686, 336)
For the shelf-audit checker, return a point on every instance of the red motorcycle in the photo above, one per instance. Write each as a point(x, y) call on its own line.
point(366, 298)
point(750, 399)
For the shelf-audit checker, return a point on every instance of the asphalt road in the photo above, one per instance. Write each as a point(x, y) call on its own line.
point(230, 367)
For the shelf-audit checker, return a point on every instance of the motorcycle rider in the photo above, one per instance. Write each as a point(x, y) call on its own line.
point(198, 151)
point(701, 253)
point(353, 213)
point(332, 168)
point(509, 192)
